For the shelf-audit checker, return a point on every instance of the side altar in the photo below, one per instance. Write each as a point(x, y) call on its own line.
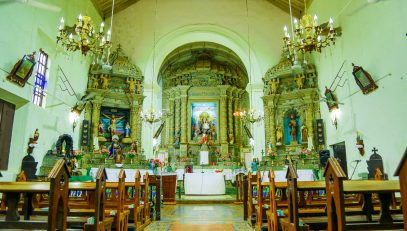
point(291, 108)
point(113, 112)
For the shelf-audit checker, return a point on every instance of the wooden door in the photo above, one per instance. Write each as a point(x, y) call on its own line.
point(6, 128)
point(340, 154)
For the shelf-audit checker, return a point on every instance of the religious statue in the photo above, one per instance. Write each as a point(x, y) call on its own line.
point(274, 85)
point(112, 125)
point(134, 146)
point(132, 84)
point(105, 81)
point(127, 130)
point(138, 87)
point(304, 133)
point(231, 137)
point(279, 135)
point(32, 142)
point(300, 80)
point(204, 138)
point(213, 132)
point(177, 137)
point(293, 127)
point(100, 128)
point(95, 81)
point(115, 149)
point(254, 165)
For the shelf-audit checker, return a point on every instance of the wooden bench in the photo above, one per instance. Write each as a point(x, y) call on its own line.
point(239, 188)
point(262, 201)
point(402, 173)
point(116, 202)
point(251, 182)
point(337, 186)
point(58, 201)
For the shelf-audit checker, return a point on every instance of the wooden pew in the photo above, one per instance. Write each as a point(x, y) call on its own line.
point(337, 186)
point(155, 181)
point(272, 216)
point(251, 182)
point(58, 200)
point(239, 188)
point(117, 204)
point(401, 172)
point(102, 223)
point(262, 203)
point(314, 219)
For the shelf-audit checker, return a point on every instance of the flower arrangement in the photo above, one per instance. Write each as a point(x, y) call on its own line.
point(273, 155)
point(131, 154)
point(304, 153)
point(105, 152)
point(157, 163)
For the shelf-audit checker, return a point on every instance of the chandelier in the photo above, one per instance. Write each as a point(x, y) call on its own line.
point(150, 116)
point(251, 116)
point(308, 35)
point(83, 36)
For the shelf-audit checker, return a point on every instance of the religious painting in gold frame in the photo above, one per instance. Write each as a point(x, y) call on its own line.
point(331, 100)
point(204, 120)
point(22, 70)
point(363, 79)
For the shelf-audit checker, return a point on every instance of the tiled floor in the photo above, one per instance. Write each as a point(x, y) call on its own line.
point(201, 217)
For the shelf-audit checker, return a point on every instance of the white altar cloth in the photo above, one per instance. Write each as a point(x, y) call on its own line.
point(228, 173)
point(204, 184)
point(303, 175)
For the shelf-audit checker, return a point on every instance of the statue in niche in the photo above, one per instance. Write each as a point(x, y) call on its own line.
point(112, 124)
point(274, 85)
point(115, 149)
point(213, 132)
point(127, 130)
point(138, 87)
point(132, 85)
point(100, 128)
point(304, 133)
point(134, 146)
point(231, 138)
point(105, 81)
point(279, 135)
point(300, 80)
point(293, 127)
point(95, 81)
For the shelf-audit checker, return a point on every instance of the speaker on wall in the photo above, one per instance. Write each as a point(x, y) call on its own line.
point(85, 133)
point(319, 132)
point(323, 157)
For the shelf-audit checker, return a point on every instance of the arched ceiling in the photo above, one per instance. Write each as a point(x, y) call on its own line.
point(104, 7)
point(205, 56)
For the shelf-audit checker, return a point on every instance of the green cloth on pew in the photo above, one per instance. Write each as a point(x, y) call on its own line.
point(81, 178)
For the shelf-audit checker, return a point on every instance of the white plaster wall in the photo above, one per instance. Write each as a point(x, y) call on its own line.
point(26, 29)
point(374, 36)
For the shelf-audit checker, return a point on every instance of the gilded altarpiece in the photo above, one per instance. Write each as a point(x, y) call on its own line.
point(115, 108)
point(291, 106)
point(202, 94)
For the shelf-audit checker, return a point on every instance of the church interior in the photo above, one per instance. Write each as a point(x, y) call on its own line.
point(203, 115)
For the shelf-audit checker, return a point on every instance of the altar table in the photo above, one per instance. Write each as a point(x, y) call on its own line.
point(204, 184)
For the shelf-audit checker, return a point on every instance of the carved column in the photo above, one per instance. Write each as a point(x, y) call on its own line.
point(309, 117)
point(266, 122)
point(177, 114)
point(134, 118)
point(230, 112)
point(95, 116)
point(223, 118)
point(237, 107)
point(170, 125)
point(272, 125)
point(184, 113)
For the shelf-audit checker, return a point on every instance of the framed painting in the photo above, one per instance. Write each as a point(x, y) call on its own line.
point(22, 70)
point(363, 79)
point(113, 121)
point(204, 122)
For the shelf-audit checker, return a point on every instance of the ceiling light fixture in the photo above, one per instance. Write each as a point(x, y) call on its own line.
point(308, 35)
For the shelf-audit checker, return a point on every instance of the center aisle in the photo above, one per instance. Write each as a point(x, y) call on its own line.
point(213, 217)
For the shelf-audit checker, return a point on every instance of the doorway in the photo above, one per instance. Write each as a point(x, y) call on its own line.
point(6, 127)
point(339, 150)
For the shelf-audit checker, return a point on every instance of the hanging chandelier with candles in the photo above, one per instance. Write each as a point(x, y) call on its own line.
point(83, 36)
point(308, 35)
point(151, 116)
